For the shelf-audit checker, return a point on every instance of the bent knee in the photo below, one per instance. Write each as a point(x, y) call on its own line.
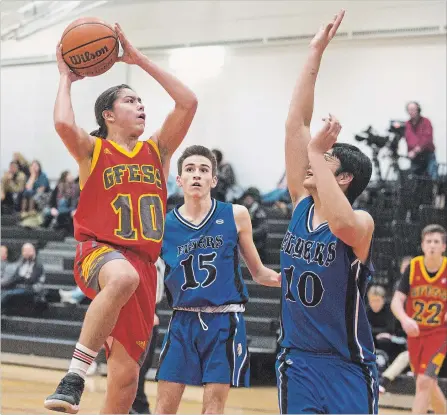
point(126, 281)
point(129, 380)
point(125, 377)
point(122, 278)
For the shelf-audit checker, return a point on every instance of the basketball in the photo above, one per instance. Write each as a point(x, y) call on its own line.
point(89, 46)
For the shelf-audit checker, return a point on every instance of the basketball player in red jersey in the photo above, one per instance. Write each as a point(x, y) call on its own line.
point(424, 317)
point(119, 224)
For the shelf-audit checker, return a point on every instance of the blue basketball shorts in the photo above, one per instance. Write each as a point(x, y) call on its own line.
point(201, 348)
point(310, 383)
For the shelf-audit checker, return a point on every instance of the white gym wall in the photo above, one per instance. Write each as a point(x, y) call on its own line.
point(243, 95)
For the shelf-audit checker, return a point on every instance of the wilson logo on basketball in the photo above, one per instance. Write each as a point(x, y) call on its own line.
point(87, 56)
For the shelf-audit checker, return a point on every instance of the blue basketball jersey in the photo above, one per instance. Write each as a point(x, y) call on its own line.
point(323, 290)
point(202, 261)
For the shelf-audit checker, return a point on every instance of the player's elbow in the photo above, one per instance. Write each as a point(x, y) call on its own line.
point(393, 307)
point(351, 227)
point(346, 231)
point(342, 225)
point(64, 128)
point(193, 102)
point(189, 103)
point(397, 304)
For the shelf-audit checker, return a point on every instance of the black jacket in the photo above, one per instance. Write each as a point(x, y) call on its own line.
point(28, 274)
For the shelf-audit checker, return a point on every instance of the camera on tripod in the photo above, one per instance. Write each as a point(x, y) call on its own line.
point(378, 142)
point(371, 138)
point(397, 130)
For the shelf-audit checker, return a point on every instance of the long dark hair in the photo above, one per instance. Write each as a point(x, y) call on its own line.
point(103, 103)
point(39, 165)
point(63, 177)
point(64, 188)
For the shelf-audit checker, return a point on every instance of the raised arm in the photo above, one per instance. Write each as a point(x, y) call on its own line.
point(178, 121)
point(260, 273)
point(301, 109)
point(78, 142)
point(354, 228)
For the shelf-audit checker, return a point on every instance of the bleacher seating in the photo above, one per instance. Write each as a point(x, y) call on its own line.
point(53, 330)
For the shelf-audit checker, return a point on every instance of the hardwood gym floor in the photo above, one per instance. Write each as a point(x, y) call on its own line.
point(24, 388)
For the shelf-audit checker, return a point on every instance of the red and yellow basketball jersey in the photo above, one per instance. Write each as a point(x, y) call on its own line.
point(427, 299)
point(123, 202)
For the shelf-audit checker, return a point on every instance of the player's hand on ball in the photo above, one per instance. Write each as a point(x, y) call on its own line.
point(327, 32)
point(131, 54)
point(410, 327)
point(63, 67)
point(326, 137)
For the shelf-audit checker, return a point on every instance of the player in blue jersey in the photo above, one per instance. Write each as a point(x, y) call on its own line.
point(206, 343)
point(327, 361)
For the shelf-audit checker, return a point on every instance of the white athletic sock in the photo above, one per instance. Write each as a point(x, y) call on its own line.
point(82, 358)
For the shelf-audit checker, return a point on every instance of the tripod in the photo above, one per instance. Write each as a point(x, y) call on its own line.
point(376, 163)
point(393, 168)
point(394, 157)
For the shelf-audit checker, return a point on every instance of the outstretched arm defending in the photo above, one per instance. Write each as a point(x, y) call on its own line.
point(354, 228)
point(301, 109)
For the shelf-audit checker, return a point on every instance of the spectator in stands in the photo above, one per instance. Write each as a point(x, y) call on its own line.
point(419, 137)
point(22, 163)
point(401, 362)
point(3, 257)
point(63, 202)
point(226, 189)
point(251, 199)
point(378, 311)
point(7, 268)
point(74, 296)
point(277, 194)
point(36, 188)
point(12, 186)
point(27, 281)
point(279, 198)
point(383, 326)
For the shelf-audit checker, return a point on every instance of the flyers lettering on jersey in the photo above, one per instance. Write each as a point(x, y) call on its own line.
point(310, 251)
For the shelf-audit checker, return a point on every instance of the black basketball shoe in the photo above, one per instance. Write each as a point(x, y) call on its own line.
point(68, 394)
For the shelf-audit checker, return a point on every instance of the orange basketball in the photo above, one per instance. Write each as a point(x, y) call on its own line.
point(89, 46)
